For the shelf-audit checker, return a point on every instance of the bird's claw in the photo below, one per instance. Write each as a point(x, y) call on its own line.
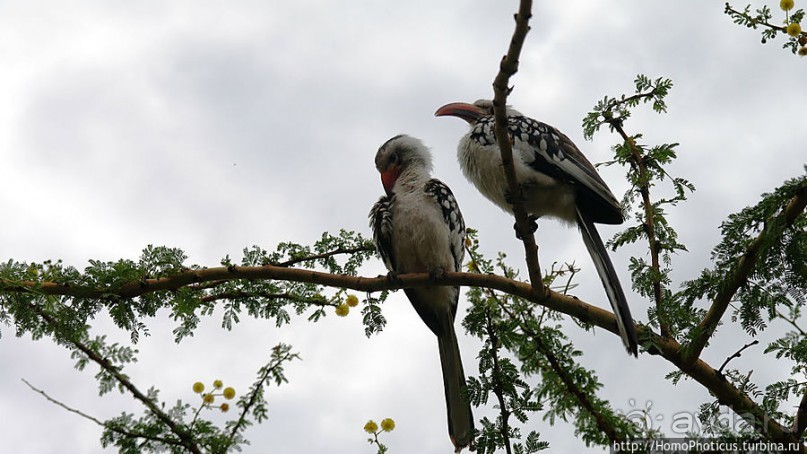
point(532, 225)
point(437, 273)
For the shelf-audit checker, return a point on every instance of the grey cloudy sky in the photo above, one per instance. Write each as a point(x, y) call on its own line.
point(213, 125)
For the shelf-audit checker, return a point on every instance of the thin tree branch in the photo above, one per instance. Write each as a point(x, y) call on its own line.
point(239, 425)
point(105, 425)
point(185, 439)
point(243, 295)
point(326, 255)
point(780, 28)
point(638, 163)
point(736, 354)
point(497, 385)
point(745, 265)
point(582, 398)
point(508, 67)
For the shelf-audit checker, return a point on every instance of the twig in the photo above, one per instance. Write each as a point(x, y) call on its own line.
point(792, 322)
point(745, 265)
point(736, 354)
point(508, 67)
point(109, 426)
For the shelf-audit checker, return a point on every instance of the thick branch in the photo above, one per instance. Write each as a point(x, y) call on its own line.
point(671, 350)
point(740, 276)
point(552, 300)
point(725, 392)
point(501, 89)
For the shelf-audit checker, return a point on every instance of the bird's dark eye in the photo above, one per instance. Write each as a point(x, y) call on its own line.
point(393, 158)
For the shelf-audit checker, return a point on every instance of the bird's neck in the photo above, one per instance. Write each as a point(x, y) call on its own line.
point(411, 180)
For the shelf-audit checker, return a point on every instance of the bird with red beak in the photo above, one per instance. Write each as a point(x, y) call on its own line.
point(556, 180)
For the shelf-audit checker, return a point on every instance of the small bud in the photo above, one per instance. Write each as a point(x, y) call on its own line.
point(803, 40)
point(352, 300)
point(802, 51)
point(217, 384)
point(224, 407)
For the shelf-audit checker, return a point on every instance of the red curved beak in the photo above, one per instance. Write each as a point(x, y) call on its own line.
point(389, 177)
point(467, 112)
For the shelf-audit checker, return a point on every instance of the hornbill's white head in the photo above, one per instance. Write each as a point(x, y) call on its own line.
point(402, 154)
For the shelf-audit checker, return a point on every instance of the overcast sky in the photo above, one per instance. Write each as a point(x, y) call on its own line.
point(212, 126)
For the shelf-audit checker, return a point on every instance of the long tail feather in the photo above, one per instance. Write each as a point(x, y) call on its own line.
point(610, 281)
point(460, 418)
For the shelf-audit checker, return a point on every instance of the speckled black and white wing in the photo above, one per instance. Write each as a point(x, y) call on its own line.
point(452, 216)
point(545, 149)
point(381, 223)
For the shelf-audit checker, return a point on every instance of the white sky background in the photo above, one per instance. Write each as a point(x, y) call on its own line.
point(211, 126)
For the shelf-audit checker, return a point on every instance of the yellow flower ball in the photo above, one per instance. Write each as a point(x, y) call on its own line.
point(228, 393)
point(198, 387)
point(224, 407)
point(352, 300)
point(208, 398)
point(794, 29)
point(342, 310)
point(387, 424)
point(802, 51)
point(371, 427)
point(217, 384)
point(786, 5)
